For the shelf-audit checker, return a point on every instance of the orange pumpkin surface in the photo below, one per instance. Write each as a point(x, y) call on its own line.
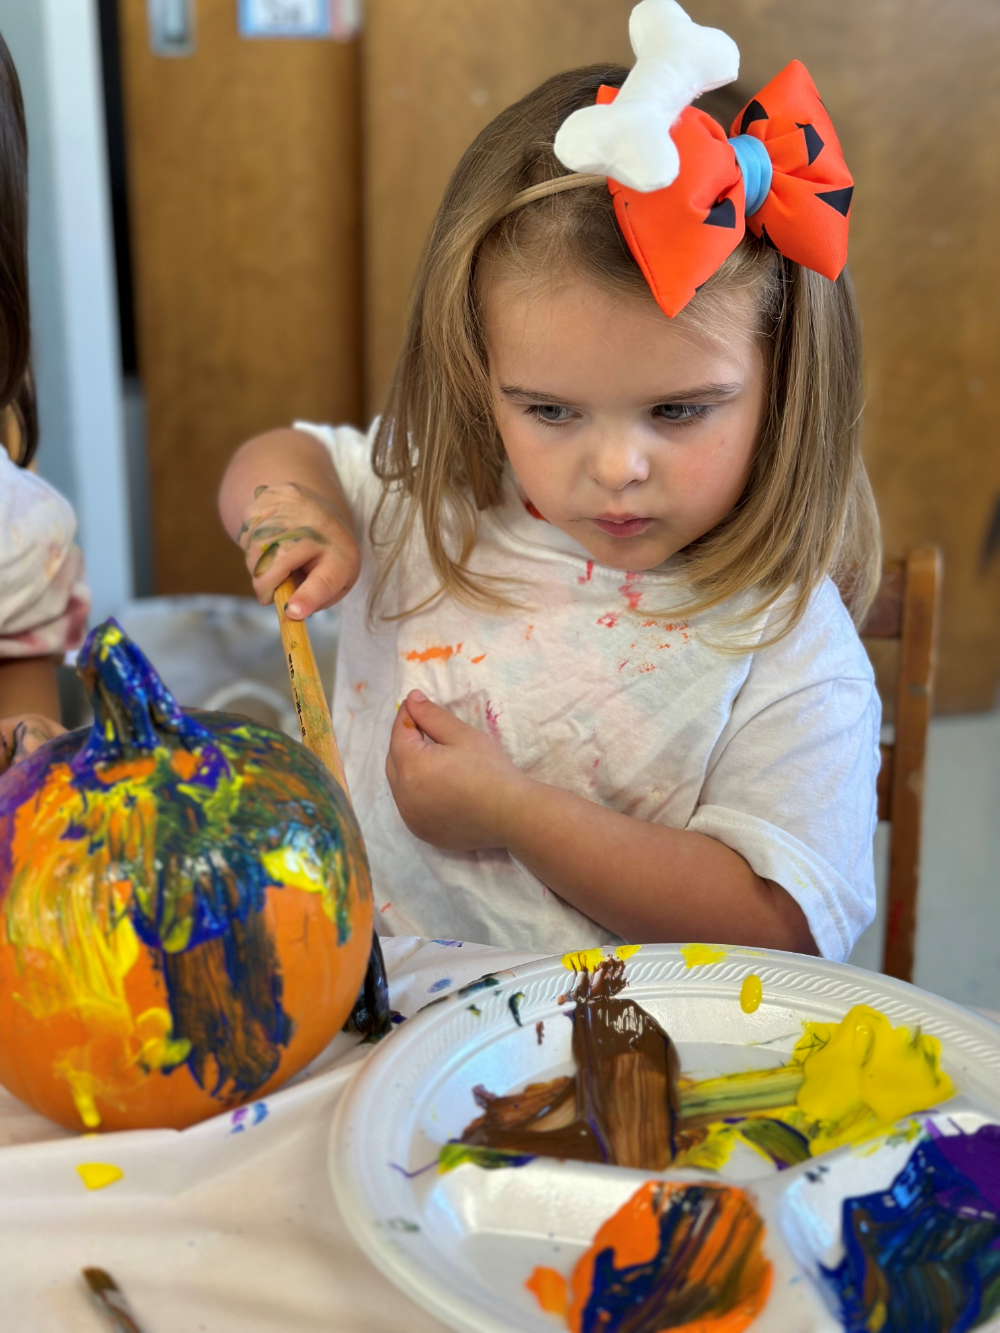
point(185, 908)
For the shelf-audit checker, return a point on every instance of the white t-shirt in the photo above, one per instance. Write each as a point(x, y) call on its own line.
point(43, 596)
point(773, 752)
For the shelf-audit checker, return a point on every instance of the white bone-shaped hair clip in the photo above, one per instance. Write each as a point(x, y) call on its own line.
point(629, 139)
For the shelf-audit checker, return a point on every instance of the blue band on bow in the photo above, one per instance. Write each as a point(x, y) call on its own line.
point(755, 165)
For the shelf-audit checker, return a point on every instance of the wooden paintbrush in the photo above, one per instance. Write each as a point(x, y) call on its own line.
point(311, 707)
point(372, 1016)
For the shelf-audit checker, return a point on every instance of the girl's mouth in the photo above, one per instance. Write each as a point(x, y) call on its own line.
point(623, 526)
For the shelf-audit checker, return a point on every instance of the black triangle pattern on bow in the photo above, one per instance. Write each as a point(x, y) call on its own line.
point(814, 144)
point(753, 112)
point(838, 199)
point(722, 214)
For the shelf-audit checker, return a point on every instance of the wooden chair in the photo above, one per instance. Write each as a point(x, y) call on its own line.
point(906, 609)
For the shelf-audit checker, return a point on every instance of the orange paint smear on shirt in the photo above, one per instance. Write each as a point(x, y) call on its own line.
point(436, 654)
point(529, 632)
point(477, 660)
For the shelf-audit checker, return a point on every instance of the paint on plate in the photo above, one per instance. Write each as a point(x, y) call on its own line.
point(751, 994)
point(700, 955)
point(674, 1256)
point(924, 1255)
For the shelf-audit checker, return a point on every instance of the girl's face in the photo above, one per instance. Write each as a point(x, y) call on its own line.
point(629, 431)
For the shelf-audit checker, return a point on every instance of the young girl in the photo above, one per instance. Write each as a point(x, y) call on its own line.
point(595, 682)
point(43, 599)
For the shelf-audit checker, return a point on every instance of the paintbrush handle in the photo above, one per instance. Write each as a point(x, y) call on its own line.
point(311, 706)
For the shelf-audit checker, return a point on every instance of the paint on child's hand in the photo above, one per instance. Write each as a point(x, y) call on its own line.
point(751, 993)
point(699, 955)
point(98, 1175)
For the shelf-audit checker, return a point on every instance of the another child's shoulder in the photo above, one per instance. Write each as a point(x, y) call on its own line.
point(31, 511)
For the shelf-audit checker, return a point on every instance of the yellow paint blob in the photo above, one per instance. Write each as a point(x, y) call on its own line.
point(588, 960)
point(99, 1175)
point(862, 1074)
point(584, 960)
point(751, 993)
point(698, 955)
point(160, 1049)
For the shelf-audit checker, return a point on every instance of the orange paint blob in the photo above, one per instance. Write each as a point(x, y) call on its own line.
point(477, 660)
point(675, 1248)
point(549, 1289)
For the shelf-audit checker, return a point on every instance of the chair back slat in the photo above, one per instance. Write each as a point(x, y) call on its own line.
point(914, 695)
point(885, 619)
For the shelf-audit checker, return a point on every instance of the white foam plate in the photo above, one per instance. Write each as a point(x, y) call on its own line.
point(463, 1243)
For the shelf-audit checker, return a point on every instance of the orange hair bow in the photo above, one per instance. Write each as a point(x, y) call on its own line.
point(782, 174)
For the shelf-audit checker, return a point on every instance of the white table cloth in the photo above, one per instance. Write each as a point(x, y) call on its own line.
point(229, 1227)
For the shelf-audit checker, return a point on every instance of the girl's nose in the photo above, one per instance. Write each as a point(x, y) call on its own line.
point(618, 462)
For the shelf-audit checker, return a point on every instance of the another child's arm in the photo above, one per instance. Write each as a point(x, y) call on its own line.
point(29, 705)
point(282, 501)
point(644, 881)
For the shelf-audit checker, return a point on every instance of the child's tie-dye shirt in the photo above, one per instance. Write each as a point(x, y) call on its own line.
point(597, 689)
point(43, 595)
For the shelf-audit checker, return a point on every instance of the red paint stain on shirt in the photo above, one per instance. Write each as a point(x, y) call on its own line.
point(436, 654)
point(530, 630)
point(609, 620)
point(385, 908)
point(477, 660)
point(535, 513)
point(585, 578)
point(492, 720)
point(632, 595)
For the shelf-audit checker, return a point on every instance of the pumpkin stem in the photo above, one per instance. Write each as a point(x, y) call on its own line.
point(133, 709)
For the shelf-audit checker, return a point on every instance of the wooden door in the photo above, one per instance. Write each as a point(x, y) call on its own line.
point(914, 90)
point(243, 162)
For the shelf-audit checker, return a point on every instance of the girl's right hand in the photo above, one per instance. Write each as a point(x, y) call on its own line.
point(290, 528)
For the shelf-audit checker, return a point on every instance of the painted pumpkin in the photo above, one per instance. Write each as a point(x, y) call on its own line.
point(185, 908)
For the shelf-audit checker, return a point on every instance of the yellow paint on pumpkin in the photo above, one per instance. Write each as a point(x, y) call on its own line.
point(83, 1087)
point(700, 955)
point(862, 1074)
point(160, 1049)
point(99, 1175)
point(294, 868)
point(751, 993)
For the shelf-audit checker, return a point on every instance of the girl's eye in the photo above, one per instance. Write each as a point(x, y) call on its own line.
point(680, 414)
point(550, 414)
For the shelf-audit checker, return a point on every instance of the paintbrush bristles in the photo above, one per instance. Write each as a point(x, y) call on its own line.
point(311, 706)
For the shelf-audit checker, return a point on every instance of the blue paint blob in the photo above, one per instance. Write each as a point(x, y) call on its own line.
point(440, 985)
point(924, 1255)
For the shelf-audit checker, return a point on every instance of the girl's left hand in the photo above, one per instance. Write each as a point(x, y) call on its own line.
point(21, 736)
point(453, 786)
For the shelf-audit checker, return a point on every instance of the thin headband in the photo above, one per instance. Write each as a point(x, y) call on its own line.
point(575, 181)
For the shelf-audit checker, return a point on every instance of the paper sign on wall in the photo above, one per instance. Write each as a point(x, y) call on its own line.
point(339, 19)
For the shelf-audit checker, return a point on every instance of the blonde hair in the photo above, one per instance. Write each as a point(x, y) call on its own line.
point(807, 509)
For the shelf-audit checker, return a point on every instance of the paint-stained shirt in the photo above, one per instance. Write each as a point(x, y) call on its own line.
point(596, 688)
point(43, 595)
